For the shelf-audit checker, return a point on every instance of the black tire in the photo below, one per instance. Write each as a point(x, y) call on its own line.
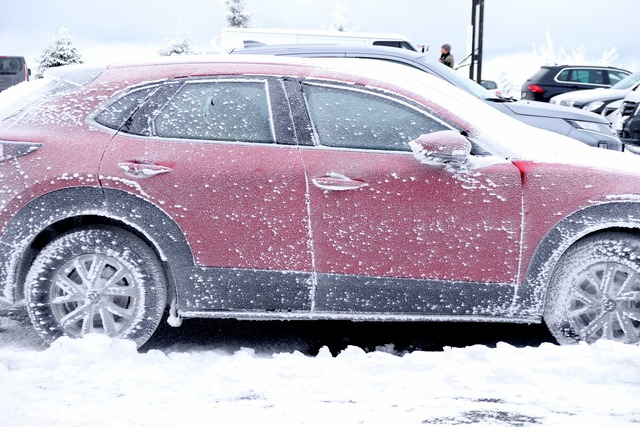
point(98, 279)
point(594, 292)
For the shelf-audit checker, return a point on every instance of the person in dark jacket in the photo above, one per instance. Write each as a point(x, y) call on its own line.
point(445, 55)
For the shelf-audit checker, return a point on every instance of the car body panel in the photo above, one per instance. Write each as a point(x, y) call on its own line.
point(357, 232)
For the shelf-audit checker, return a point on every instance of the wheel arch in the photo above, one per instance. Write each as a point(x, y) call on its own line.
point(62, 210)
point(624, 216)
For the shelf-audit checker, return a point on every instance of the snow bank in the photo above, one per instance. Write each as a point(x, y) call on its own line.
point(100, 381)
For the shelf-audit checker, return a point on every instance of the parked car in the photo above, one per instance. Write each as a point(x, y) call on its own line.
point(610, 112)
point(597, 100)
point(244, 37)
point(627, 123)
point(586, 127)
point(552, 80)
point(491, 87)
point(13, 70)
point(287, 188)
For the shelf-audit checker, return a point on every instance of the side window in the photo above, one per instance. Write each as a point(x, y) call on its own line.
point(218, 110)
point(616, 76)
point(596, 76)
point(575, 76)
point(563, 76)
point(350, 118)
point(387, 43)
point(390, 43)
point(119, 111)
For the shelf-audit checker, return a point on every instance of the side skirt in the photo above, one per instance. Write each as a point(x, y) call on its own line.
point(263, 294)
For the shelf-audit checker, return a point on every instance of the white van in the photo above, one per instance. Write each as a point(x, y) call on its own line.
point(234, 38)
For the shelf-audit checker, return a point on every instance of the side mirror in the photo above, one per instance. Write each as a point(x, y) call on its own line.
point(443, 147)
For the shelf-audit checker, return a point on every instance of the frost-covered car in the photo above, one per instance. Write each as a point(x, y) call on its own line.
point(287, 188)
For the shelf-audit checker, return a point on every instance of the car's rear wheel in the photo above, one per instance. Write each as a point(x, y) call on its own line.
point(99, 279)
point(594, 291)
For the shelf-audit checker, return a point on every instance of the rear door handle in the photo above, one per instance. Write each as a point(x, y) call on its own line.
point(142, 170)
point(337, 182)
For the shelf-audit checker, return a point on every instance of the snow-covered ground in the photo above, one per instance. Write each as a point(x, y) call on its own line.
point(98, 381)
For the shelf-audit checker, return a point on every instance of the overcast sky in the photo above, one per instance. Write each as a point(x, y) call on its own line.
point(511, 27)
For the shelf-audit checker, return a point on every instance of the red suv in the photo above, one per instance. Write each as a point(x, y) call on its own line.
point(293, 189)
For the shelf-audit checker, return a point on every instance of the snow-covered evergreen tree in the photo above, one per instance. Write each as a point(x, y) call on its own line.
point(338, 20)
point(236, 15)
point(549, 55)
point(179, 43)
point(59, 51)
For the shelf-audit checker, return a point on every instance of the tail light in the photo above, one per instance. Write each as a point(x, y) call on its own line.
point(535, 89)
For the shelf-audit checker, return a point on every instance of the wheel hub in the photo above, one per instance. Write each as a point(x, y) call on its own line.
point(93, 296)
point(609, 305)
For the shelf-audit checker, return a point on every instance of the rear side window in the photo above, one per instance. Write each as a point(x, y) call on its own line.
point(616, 76)
point(349, 118)
point(582, 76)
point(218, 110)
point(391, 43)
point(118, 113)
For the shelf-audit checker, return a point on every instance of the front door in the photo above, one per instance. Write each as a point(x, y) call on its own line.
point(393, 235)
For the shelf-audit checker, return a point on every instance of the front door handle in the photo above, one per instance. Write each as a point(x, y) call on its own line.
point(337, 182)
point(142, 170)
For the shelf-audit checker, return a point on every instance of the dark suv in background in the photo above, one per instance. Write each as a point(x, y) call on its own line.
point(552, 80)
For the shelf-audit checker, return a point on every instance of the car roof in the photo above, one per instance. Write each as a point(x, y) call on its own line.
point(597, 67)
point(325, 48)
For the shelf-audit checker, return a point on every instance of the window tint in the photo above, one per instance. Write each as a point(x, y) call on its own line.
point(597, 77)
point(116, 114)
point(218, 110)
point(616, 76)
point(355, 119)
point(391, 43)
point(572, 75)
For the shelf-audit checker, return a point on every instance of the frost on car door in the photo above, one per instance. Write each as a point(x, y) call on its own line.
point(393, 235)
point(211, 154)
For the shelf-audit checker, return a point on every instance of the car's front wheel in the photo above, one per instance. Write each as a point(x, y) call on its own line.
point(594, 292)
point(98, 279)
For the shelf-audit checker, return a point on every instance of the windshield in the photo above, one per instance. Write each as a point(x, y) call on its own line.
point(628, 82)
point(11, 65)
point(456, 78)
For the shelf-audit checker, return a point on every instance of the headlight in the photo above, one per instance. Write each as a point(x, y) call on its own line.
point(593, 106)
point(568, 102)
point(591, 126)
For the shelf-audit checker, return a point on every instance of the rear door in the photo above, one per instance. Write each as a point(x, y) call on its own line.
point(220, 157)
